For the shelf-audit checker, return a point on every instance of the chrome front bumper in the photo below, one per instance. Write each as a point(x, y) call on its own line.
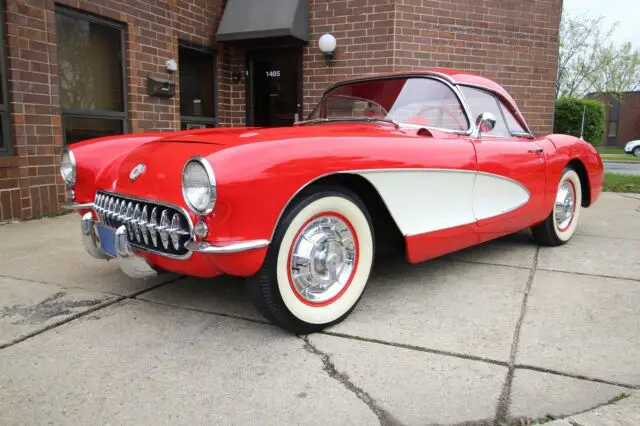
point(132, 265)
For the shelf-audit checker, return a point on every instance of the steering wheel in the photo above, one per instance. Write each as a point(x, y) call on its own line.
point(420, 119)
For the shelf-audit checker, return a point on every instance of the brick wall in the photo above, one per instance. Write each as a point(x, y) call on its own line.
point(513, 41)
point(29, 182)
point(629, 125)
point(364, 33)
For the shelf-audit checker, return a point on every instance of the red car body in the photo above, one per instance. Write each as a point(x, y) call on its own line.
point(259, 172)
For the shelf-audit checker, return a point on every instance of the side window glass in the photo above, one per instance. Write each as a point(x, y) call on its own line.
point(512, 122)
point(479, 102)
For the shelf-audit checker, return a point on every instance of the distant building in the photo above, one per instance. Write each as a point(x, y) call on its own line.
point(622, 117)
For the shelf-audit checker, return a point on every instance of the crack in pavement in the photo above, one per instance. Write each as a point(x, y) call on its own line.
point(504, 400)
point(384, 417)
point(416, 348)
point(92, 309)
point(520, 421)
point(575, 376)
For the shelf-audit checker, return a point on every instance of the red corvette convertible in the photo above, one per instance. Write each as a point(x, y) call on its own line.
point(430, 162)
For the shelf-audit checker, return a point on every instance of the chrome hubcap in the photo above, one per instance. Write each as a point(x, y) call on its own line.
point(323, 259)
point(565, 205)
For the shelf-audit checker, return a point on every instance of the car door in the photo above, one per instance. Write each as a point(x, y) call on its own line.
point(509, 187)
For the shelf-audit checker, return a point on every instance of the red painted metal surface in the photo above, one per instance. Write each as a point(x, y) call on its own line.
point(258, 172)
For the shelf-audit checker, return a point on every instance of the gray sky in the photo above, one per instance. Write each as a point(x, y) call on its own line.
point(625, 12)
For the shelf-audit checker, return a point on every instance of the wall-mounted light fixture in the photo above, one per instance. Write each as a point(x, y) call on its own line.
point(327, 45)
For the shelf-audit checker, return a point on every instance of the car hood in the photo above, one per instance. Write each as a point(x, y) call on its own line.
point(228, 137)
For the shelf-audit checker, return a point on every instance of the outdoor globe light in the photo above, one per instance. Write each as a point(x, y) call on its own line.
point(327, 45)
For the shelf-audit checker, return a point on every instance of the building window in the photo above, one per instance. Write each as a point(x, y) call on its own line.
point(5, 124)
point(196, 66)
point(613, 129)
point(91, 71)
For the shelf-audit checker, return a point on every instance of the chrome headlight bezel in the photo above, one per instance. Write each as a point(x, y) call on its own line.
point(68, 178)
point(211, 186)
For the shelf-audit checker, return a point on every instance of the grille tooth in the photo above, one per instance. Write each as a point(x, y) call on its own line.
point(143, 224)
point(109, 208)
point(173, 232)
point(116, 211)
point(123, 211)
point(136, 222)
point(154, 227)
point(128, 219)
point(163, 228)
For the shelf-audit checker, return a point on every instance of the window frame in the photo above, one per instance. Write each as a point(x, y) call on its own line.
point(95, 113)
point(454, 88)
point(512, 134)
point(194, 119)
point(6, 145)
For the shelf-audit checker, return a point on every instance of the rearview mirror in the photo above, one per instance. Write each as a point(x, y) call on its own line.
point(485, 123)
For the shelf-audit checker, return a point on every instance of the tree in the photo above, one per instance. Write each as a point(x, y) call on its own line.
point(578, 56)
point(588, 61)
point(618, 71)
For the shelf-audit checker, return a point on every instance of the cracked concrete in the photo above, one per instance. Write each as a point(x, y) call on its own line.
point(497, 334)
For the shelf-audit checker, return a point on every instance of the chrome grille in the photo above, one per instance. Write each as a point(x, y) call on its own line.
point(151, 225)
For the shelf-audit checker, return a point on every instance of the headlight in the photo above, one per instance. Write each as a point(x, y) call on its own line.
point(68, 167)
point(199, 185)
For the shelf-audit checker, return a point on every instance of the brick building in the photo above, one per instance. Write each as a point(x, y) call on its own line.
point(74, 69)
point(622, 117)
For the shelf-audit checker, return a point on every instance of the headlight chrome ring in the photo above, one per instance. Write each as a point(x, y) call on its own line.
point(208, 185)
point(67, 159)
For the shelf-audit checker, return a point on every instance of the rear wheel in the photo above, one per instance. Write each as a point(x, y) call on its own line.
point(318, 263)
point(561, 224)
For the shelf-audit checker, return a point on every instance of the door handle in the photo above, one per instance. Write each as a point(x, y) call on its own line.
point(536, 151)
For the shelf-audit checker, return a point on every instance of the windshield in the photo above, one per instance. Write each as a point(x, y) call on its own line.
point(419, 101)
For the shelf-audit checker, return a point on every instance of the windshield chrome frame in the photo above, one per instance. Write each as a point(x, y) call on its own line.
point(454, 88)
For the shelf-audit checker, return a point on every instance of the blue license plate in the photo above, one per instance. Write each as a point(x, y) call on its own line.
point(107, 239)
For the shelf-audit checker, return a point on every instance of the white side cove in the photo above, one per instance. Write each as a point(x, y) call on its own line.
point(427, 200)
point(494, 195)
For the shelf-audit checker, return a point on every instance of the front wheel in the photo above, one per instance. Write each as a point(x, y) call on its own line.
point(318, 263)
point(561, 224)
point(636, 151)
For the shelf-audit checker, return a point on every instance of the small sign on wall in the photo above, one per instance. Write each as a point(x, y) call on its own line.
point(157, 86)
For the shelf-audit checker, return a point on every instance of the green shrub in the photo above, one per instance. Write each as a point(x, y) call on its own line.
point(568, 119)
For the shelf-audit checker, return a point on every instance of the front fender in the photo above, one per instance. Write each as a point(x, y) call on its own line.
point(567, 149)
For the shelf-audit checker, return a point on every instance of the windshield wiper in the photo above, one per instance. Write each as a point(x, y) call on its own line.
point(349, 120)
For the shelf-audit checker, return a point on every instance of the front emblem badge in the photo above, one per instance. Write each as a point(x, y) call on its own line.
point(137, 171)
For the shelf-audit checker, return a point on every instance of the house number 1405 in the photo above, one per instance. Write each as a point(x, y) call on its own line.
point(272, 74)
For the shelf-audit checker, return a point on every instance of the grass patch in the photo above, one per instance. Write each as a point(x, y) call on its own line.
point(612, 153)
point(619, 157)
point(616, 182)
point(609, 150)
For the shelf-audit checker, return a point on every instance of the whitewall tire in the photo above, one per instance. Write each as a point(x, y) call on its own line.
point(562, 223)
point(318, 263)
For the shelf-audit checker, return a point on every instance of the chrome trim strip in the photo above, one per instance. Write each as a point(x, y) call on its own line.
point(72, 205)
point(72, 157)
point(432, 76)
point(151, 201)
point(212, 185)
point(409, 169)
point(225, 248)
point(486, 89)
point(135, 245)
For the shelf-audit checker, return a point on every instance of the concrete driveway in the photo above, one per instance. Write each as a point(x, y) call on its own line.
point(501, 331)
